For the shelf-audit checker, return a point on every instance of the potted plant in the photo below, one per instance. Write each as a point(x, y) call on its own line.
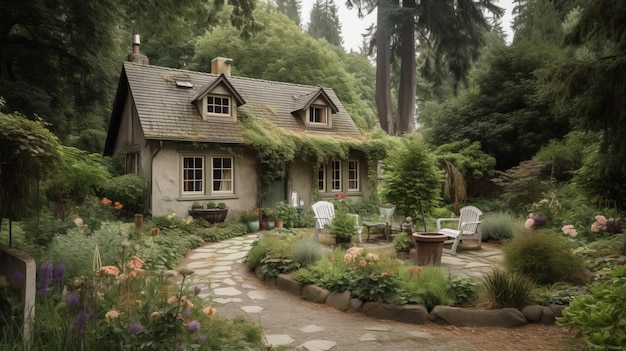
point(221, 205)
point(342, 228)
point(403, 243)
point(284, 214)
point(210, 213)
point(251, 218)
point(268, 216)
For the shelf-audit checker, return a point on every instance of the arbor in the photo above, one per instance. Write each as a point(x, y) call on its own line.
point(324, 22)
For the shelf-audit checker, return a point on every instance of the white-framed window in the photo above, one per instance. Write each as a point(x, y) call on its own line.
point(320, 176)
point(193, 175)
point(335, 176)
point(218, 105)
point(222, 175)
point(353, 175)
point(317, 115)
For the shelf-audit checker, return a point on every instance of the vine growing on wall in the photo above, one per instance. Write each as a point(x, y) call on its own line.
point(277, 148)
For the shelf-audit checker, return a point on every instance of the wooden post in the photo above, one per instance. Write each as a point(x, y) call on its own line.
point(138, 224)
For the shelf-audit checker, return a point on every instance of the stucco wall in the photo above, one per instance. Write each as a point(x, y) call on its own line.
point(166, 192)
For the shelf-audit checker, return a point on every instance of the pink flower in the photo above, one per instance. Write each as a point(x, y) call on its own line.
point(337, 195)
point(569, 230)
point(79, 222)
point(529, 223)
point(106, 202)
point(347, 258)
point(601, 220)
point(596, 227)
point(363, 262)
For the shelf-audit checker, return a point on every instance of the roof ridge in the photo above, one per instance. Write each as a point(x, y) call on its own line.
point(236, 77)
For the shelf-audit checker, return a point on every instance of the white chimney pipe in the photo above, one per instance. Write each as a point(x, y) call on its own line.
point(136, 43)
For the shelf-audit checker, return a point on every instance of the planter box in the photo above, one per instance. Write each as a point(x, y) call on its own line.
point(211, 215)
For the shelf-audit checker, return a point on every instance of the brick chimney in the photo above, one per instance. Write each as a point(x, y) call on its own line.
point(221, 65)
point(136, 56)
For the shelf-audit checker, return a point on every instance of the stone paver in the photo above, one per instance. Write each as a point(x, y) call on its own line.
point(296, 324)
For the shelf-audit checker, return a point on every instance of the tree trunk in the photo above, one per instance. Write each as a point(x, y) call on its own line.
point(383, 75)
point(406, 92)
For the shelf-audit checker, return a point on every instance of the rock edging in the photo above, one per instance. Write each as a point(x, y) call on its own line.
point(417, 314)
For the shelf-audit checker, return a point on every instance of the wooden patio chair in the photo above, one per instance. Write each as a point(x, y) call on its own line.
point(467, 229)
point(324, 212)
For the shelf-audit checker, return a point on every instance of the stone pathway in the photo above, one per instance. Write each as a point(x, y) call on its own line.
point(300, 325)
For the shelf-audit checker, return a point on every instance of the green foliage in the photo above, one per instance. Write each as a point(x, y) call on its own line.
point(172, 222)
point(80, 175)
point(497, 226)
point(462, 290)
point(411, 178)
point(76, 249)
point(342, 225)
point(469, 160)
point(131, 190)
point(306, 252)
point(287, 213)
point(324, 22)
point(324, 272)
point(427, 286)
point(164, 251)
point(221, 231)
point(507, 289)
point(559, 294)
point(211, 204)
point(28, 153)
point(268, 245)
point(250, 215)
point(522, 185)
point(602, 313)
point(544, 256)
point(566, 156)
point(403, 242)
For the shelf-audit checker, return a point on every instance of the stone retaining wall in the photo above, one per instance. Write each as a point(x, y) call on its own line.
point(417, 314)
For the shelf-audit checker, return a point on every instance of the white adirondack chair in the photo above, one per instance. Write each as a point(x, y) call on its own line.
point(324, 212)
point(469, 220)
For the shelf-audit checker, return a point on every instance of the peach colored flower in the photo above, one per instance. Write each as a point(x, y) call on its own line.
point(186, 302)
point(172, 300)
point(362, 262)
point(209, 311)
point(372, 257)
point(106, 202)
point(137, 273)
point(596, 227)
point(569, 230)
point(347, 258)
point(110, 270)
point(135, 263)
point(111, 315)
point(155, 315)
point(118, 206)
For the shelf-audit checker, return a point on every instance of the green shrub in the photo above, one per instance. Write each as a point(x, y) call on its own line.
point(602, 313)
point(271, 255)
point(75, 250)
point(164, 251)
point(507, 289)
point(305, 251)
point(497, 226)
point(427, 286)
point(403, 242)
point(325, 272)
point(559, 294)
point(221, 231)
point(172, 222)
point(131, 191)
point(342, 225)
point(462, 289)
point(544, 257)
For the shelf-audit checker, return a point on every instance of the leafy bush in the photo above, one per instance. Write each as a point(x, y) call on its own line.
point(271, 255)
point(305, 251)
point(220, 231)
point(75, 249)
point(544, 257)
point(172, 222)
point(497, 226)
point(559, 294)
point(462, 290)
point(602, 313)
point(165, 250)
point(131, 190)
point(403, 242)
point(427, 286)
point(507, 289)
point(342, 225)
point(325, 272)
point(522, 185)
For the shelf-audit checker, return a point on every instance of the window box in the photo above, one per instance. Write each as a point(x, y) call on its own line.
point(211, 215)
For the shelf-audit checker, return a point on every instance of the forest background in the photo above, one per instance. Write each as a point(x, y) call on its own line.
point(554, 93)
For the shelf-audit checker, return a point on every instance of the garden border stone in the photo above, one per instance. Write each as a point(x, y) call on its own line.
point(539, 314)
point(340, 300)
point(286, 283)
point(416, 314)
point(314, 293)
point(462, 317)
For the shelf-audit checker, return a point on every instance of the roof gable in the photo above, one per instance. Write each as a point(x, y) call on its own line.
point(304, 101)
point(220, 80)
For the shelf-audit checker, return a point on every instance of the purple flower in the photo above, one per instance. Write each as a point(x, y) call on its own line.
point(80, 321)
point(202, 337)
point(45, 278)
point(59, 273)
point(194, 326)
point(72, 299)
point(135, 328)
point(187, 313)
point(18, 277)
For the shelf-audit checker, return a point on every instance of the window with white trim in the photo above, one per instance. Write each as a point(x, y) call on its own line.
point(320, 176)
point(219, 105)
point(193, 175)
point(335, 176)
point(222, 178)
point(317, 115)
point(353, 175)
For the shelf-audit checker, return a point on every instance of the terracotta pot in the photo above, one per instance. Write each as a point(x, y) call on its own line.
point(263, 225)
point(429, 248)
point(279, 223)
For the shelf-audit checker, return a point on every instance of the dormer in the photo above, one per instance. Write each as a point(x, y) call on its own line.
point(315, 109)
point(219, 99)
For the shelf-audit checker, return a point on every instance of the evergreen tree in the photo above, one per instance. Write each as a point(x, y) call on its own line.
point(291, 8)
point(324, 22)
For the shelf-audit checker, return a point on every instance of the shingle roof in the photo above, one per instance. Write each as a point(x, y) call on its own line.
point(166, 111)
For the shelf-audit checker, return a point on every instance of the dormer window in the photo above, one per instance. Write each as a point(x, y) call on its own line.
point(218, 105)
point(317, 114)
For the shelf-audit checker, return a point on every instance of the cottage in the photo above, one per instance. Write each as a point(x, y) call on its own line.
point(184, 131)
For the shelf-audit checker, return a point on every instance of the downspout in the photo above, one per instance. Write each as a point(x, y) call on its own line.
point(154, 153)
